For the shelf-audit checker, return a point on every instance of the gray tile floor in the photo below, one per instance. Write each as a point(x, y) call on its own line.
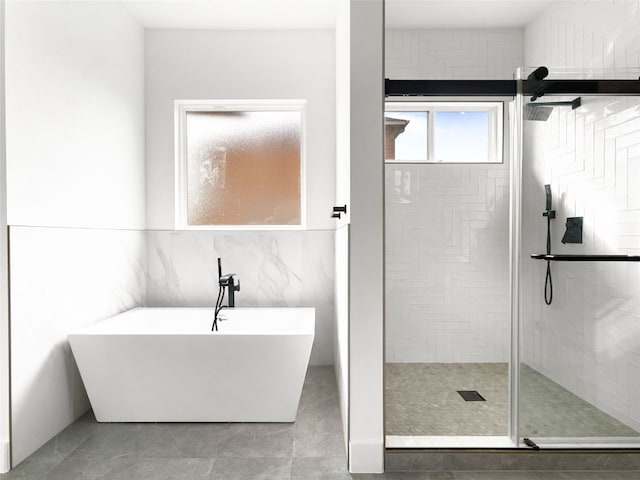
point(422, 399)
point(310, 449)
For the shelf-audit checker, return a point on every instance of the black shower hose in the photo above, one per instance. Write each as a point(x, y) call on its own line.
point(214, 326)
point(548, 284)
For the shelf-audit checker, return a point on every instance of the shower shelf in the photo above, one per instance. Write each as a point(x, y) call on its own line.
point(585, 258)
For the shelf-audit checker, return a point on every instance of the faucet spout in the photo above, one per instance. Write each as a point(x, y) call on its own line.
point(225, 283)
point(229, 282)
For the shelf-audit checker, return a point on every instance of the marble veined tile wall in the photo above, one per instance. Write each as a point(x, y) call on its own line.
point(61, 280)
point(588, 339)
point(447, 230)
point(275, 268)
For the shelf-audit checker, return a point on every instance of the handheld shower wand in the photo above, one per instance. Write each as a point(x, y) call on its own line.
point(550, 214)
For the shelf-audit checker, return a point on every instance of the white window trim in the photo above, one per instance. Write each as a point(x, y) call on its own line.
point(495, 110)
point(181, 107)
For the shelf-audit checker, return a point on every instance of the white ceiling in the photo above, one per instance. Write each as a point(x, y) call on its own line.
point(321, 14)
point(234, 14)
point(413, 14)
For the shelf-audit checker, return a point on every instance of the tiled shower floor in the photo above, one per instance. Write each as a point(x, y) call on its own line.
point(422, 400)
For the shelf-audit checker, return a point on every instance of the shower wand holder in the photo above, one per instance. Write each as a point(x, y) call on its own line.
point(549, 213)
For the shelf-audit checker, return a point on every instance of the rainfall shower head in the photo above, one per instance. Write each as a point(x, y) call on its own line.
point(537, 113)
point(542, 110)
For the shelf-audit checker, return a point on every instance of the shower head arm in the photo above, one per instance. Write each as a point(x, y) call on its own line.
point(575, 103)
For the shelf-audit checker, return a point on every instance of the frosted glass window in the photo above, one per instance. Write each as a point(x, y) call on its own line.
point(443, 132)
point(241, 167)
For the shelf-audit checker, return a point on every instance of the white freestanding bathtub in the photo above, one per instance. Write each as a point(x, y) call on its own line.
point(166, 365)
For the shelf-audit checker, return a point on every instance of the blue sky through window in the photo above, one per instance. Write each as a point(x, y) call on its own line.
point(461, 137)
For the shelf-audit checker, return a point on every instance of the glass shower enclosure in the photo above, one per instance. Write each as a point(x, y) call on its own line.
point(575, 260)
point(572, 175)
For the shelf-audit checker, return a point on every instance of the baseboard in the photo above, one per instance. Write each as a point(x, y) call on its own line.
point(5, 457)
point(366, 457)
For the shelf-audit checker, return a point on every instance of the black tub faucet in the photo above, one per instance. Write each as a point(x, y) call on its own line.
point(226, 283)
point(229, 283)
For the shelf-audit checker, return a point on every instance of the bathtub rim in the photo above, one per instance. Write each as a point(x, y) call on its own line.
point(307, 320)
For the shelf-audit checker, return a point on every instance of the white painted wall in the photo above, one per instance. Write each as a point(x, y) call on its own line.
point(366, 238)
point(5, 399)
point(447, 248)
point(224, 64)
point(75, 175)
point(341, 279)
point(588, 340)
point(75, 115)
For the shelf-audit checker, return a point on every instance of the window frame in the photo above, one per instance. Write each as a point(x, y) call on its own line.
point(496, 126)
point(182, 107)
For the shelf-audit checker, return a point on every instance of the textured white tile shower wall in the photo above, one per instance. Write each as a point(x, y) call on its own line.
point(595, 34)
point(588, 340)
point(275, 269)
point(452, 54)
point(447, 263)
point(447, 230)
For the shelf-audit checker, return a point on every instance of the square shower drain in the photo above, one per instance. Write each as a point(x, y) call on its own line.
point(471, 396)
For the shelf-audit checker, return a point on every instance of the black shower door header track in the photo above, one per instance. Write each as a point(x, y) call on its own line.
point(506, 88)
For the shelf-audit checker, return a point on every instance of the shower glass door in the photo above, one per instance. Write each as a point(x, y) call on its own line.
point(576, 245)
point(447, 334)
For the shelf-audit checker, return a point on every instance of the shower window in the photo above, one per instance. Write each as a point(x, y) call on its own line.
point(443, 132)
point(239, 164)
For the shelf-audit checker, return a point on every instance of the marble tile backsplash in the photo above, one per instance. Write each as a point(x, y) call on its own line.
point(275, 268)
